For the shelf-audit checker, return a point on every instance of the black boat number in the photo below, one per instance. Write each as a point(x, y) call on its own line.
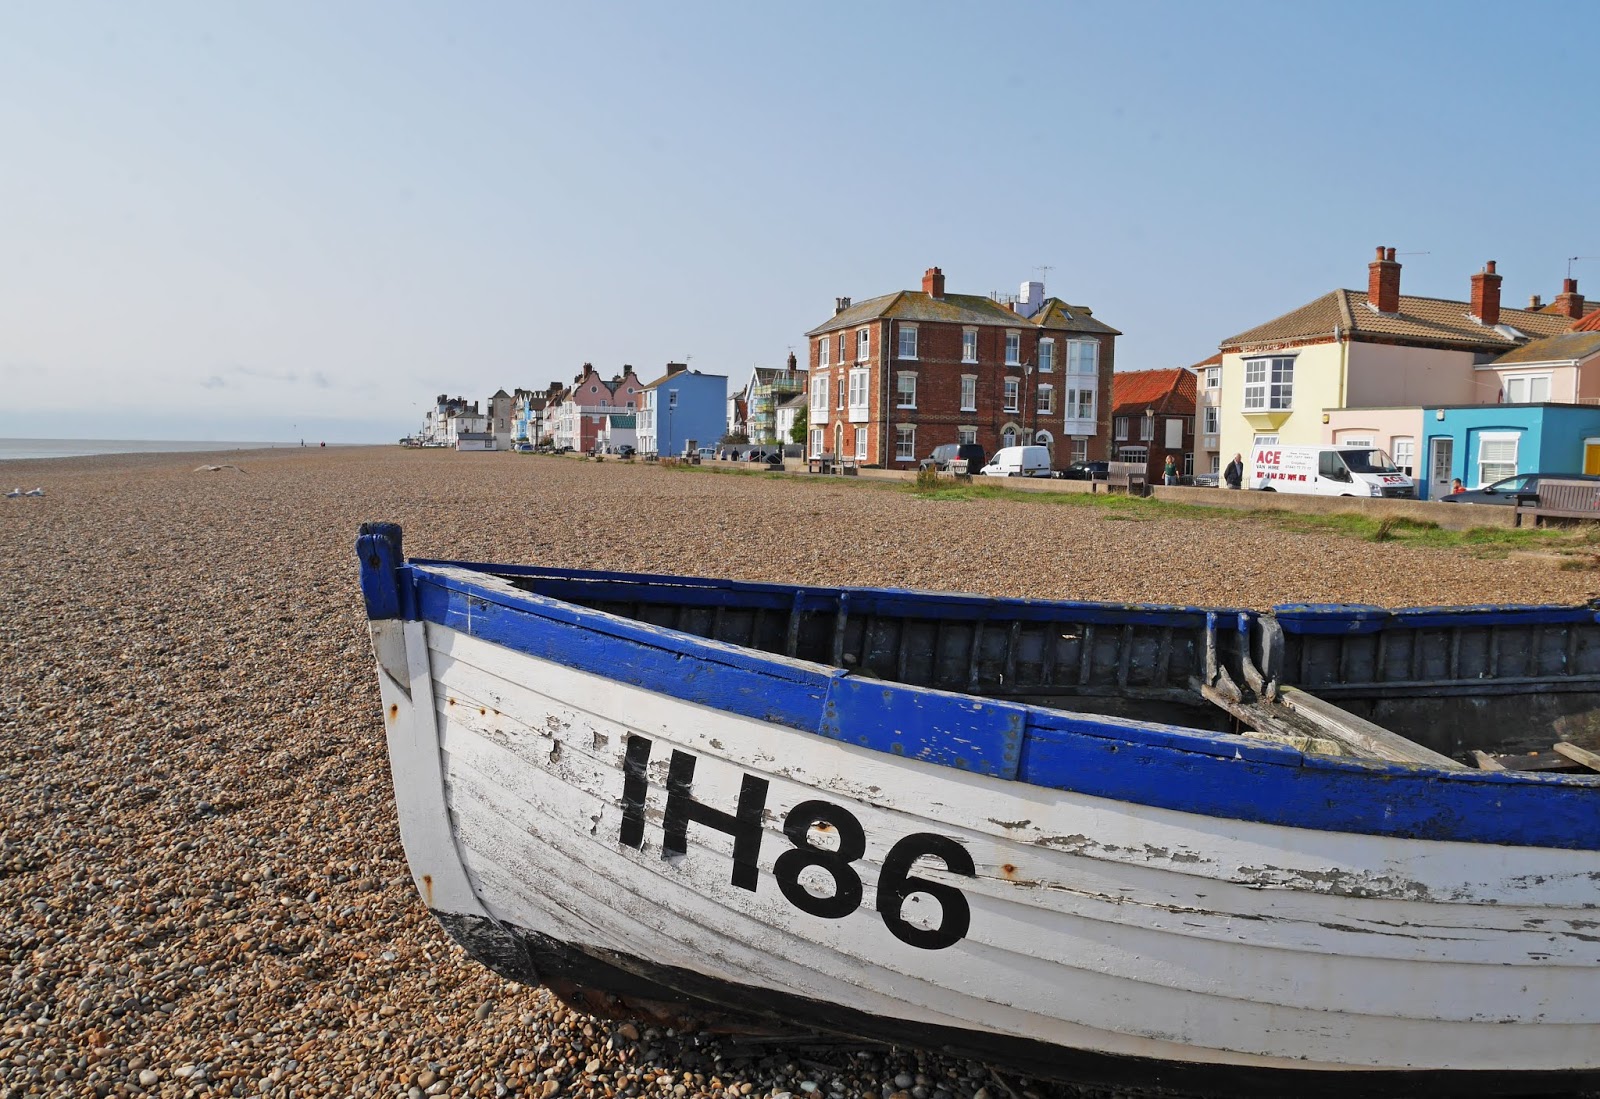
point(895, 883)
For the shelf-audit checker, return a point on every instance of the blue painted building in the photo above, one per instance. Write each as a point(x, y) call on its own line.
point(680, 405)
point(1482, 444)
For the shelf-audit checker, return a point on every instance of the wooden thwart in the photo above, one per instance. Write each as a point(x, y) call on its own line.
point(1578, 755)
point(1316, 725)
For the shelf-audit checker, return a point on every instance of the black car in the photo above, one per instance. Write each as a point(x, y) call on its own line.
point(1086, 471)
point(1507, 490)
point(945, 453)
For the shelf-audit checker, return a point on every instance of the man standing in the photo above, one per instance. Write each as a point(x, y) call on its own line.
point(1233, 476)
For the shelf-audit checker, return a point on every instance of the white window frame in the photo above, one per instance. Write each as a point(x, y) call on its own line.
point(966, 434)
point(819, 440)
point(1268, 384)
point(1119, 428)
point(822, 351)
point(969, 345)
point(905, 396)
point(843, 381)
point(1140, 454)
point(969, 393)
point(908, 347)
point(1212, 416)
point(1045, 403)
point(861, 444)
point(905, 443)
point(1083, 402)
point(1213, 377)
point(1008, 437)
point(863, 344)
point(1013, 395)
point(1013, 347)
point(1147, 429)
point(1528, 384)
point(1047, 356)
point(860, 394)
point(1403, 449)
point(1498, 467)
point(1080, 450)
point(1083, 358)
point(819, 394)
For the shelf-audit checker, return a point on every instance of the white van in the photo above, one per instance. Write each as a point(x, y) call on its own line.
point(1019, 461)
point(1327, 471)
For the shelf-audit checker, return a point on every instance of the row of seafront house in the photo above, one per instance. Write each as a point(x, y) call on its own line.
point(1451, 389)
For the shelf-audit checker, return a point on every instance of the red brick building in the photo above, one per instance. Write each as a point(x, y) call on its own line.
point(899, 374)
point(1152, 418)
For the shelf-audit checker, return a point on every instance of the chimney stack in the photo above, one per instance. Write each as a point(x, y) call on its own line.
point(1535, 302)
point(840, 305)
point(676, 368)
point(1569, 303)
point(933, 282)
point(1486, 295)
point(1383, 282)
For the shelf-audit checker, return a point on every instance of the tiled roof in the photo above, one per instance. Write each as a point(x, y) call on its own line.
point(1419, 320)
point(1058, 315)
point(1568, 345)
point(1590, 322)
point(914, 305)
point(1214, 360)
point(1163, 390)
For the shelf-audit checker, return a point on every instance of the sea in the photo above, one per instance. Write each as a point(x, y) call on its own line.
point(75, 448)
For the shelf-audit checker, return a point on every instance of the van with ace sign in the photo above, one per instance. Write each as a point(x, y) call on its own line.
point(1327, 471)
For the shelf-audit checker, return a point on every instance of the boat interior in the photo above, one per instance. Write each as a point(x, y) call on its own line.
point(1493, 688)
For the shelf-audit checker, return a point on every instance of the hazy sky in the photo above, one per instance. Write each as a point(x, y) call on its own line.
point(273, 220)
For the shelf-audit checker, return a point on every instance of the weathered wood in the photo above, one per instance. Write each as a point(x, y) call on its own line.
point(1578, 755)
point(1366, 737)
point(1487, 762)
point(1561, 498)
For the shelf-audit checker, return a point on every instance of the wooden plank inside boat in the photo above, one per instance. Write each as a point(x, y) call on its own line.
point(1578, 755)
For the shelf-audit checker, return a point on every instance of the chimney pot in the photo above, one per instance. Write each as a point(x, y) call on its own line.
point(1389, 255)
point(1535, 302)
point(1380, 253)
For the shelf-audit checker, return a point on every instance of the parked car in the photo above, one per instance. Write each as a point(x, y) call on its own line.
point(706, 453)
point(1205, 480)
point(1507, 490)
point(626, 450)
point(1019, 461)
point(1086, 471)
point(945, 453)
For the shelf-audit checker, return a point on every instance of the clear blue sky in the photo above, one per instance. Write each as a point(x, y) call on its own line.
point(272, 220)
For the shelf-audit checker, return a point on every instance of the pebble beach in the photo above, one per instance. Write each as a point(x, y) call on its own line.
point(202, 888)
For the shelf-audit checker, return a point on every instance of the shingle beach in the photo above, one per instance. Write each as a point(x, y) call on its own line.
point(202, 889)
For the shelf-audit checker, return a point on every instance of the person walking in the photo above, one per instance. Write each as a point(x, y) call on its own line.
point(1233, 475)
point(1169, 472)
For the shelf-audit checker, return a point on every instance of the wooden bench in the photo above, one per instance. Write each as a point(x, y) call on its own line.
point(1128, 476)
point(1559, 498)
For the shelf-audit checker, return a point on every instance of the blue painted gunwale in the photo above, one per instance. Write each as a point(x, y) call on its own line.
point(1145, 763)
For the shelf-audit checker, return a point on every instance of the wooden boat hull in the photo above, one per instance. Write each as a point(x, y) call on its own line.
point(1175, 908)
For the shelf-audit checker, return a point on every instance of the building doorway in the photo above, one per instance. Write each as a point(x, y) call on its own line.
point(1441, 458)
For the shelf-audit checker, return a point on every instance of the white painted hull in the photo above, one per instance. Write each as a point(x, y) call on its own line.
point(1096, 925)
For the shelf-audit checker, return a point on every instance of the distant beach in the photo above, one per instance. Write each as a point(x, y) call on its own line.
point(77, 448)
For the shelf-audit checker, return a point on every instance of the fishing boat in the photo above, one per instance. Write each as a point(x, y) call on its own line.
point(1326, 848)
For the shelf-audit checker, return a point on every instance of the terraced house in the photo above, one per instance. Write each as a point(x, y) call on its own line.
point(1286, 381)
point(899, 374)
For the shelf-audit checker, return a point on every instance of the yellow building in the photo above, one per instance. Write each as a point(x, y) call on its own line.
point(1349, 349)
